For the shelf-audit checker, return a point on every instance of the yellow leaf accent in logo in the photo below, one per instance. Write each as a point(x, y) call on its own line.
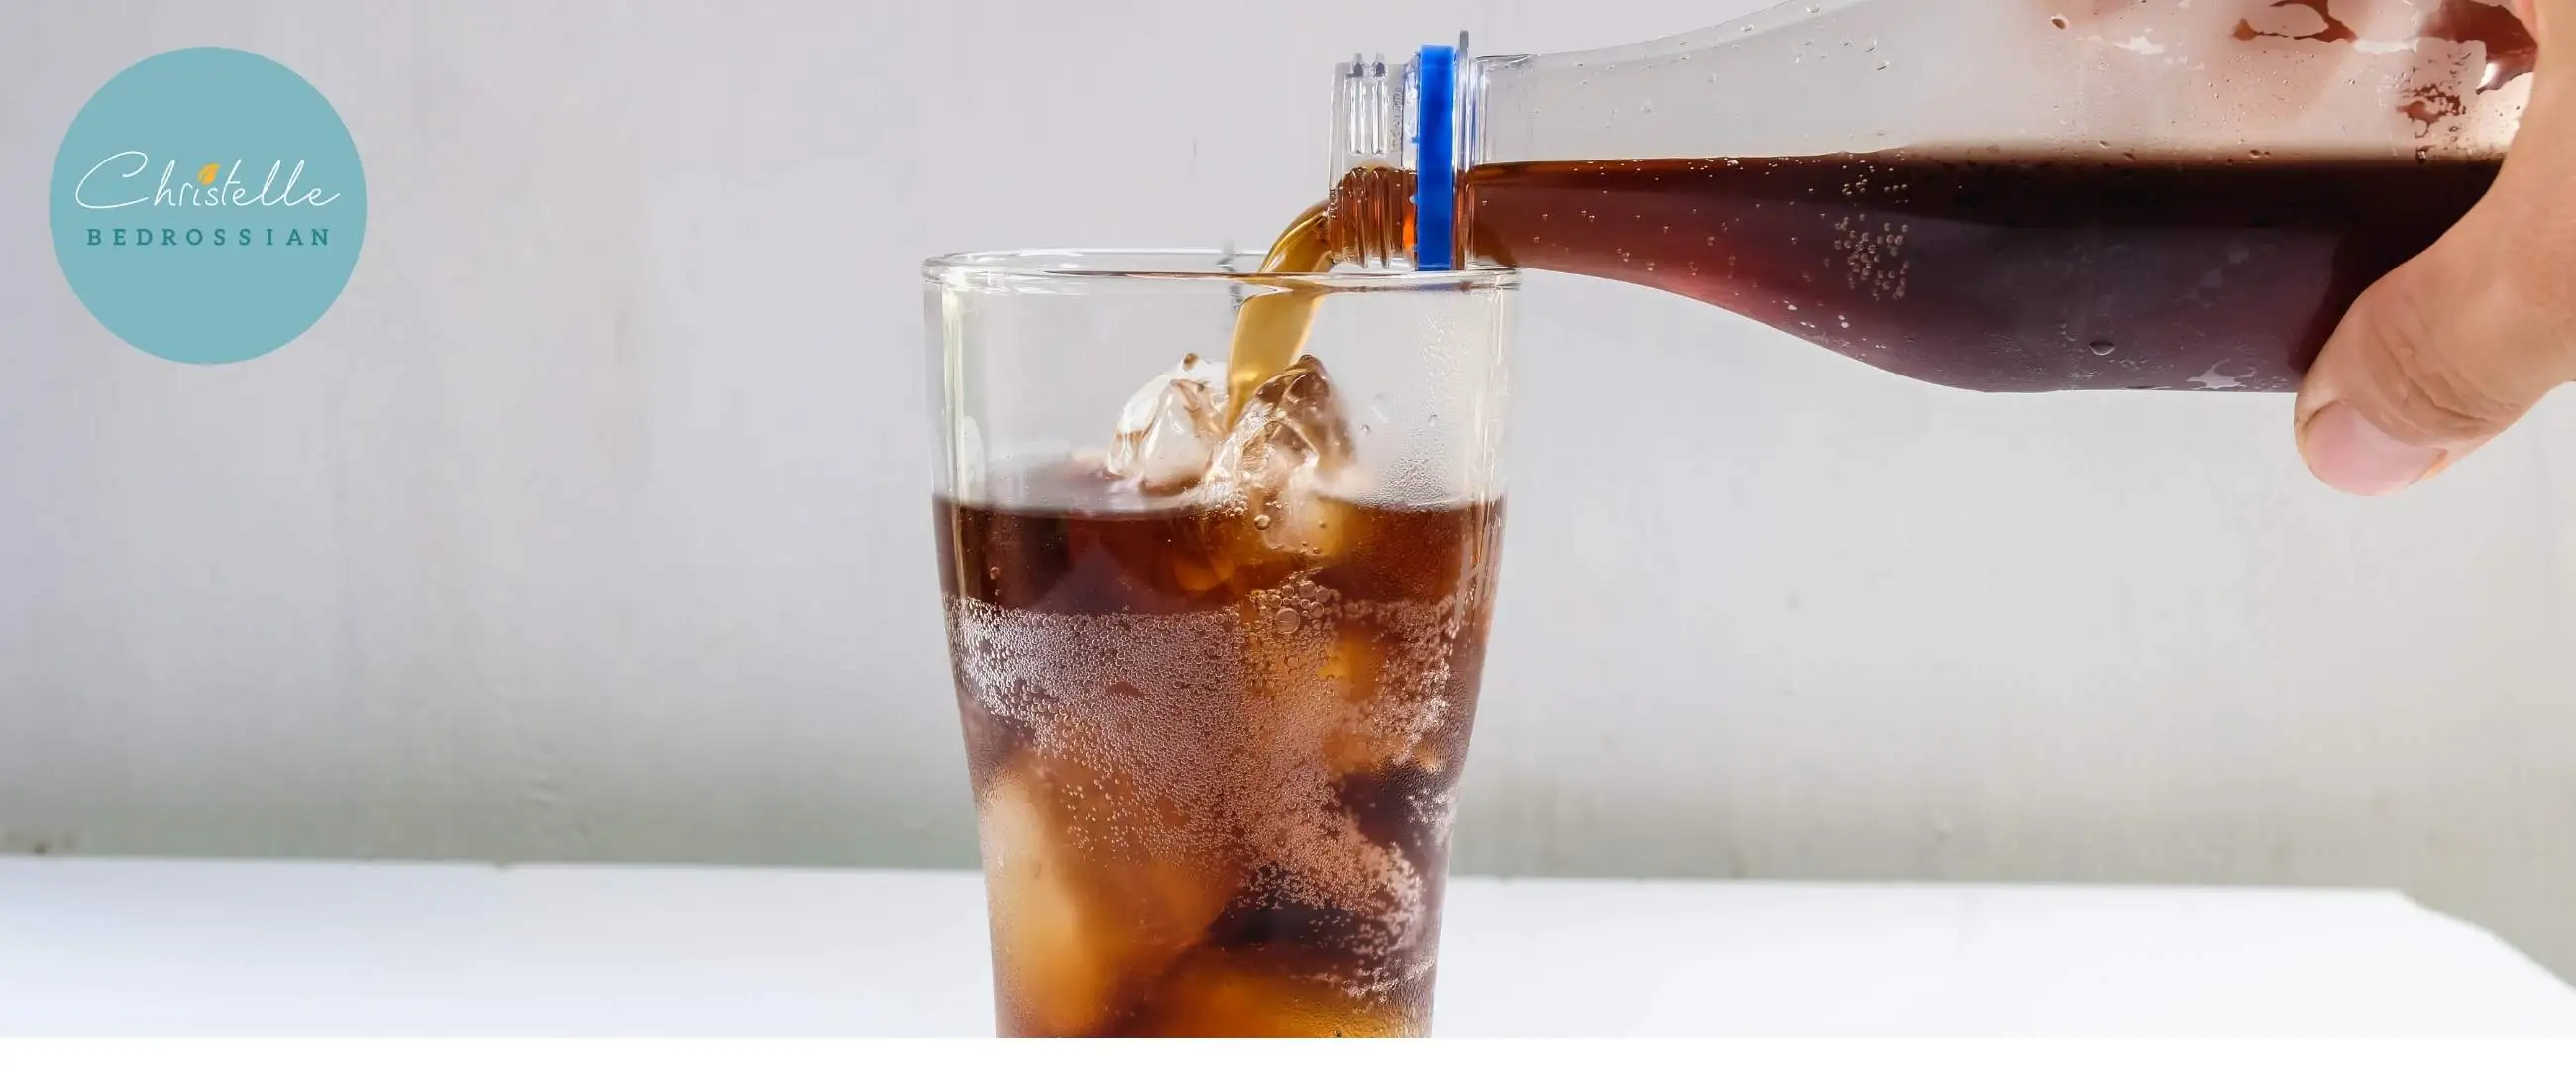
point(206, 174)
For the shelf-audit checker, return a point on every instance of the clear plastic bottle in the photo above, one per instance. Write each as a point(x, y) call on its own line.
point(2000, 195)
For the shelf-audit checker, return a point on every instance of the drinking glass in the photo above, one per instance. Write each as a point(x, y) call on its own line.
point(1216, 672)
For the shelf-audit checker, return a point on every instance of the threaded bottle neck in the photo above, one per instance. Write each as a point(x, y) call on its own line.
point(1383, 119)
point(1368, 210)
point(1368, 218)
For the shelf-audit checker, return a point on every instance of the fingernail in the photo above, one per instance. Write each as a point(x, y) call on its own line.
point(2354, 456)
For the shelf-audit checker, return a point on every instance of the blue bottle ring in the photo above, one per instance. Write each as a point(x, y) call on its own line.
point(1435, 159)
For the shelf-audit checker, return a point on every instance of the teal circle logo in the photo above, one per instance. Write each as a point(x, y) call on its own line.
point(208, 205)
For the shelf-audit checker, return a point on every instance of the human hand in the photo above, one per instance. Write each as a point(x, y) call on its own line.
point(2455, 345)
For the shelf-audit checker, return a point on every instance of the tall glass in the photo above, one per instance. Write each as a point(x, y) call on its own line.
point(1216, 672)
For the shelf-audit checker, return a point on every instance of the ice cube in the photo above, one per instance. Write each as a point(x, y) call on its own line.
point(1315, 517)
point(1287, 455)
point(1057, 972)
point(1255, 992)
point(1083, 918)
point(1291, 422)
point(1168, 431)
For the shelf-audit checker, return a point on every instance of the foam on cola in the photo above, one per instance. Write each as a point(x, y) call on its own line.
point(1216, 705)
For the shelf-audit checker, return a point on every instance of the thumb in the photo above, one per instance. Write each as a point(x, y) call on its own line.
point(2455, 345)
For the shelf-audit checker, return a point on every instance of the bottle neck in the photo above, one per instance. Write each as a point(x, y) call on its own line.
point(1402, 136)
point(1369, 218)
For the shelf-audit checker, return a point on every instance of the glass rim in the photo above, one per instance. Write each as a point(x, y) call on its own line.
point(1043, 266)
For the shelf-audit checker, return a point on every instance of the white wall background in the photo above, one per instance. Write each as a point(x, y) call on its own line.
point(593, 523)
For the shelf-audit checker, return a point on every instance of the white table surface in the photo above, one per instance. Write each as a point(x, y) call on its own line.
point(157, 947)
